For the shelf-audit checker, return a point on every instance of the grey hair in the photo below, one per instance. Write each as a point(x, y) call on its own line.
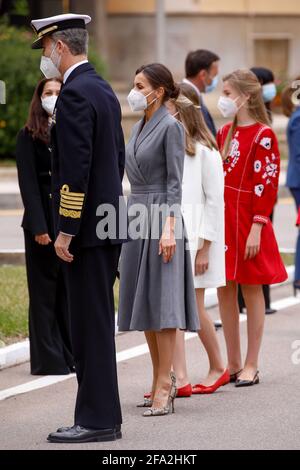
point(77, 40)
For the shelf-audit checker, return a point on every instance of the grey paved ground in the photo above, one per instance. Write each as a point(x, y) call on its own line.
point(266, 416)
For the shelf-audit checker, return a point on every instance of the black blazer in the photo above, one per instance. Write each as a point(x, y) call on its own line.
point(208, 118)
point(34, 173)
point(88, 155)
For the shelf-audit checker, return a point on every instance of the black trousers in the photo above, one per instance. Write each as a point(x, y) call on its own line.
point(90, 279)
point(49, 324)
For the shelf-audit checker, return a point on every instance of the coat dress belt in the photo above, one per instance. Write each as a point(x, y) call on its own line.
point(148, 188)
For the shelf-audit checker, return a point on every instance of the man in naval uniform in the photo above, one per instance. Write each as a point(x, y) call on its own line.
point(87, 171)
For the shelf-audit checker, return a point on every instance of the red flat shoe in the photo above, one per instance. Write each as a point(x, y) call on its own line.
point(182, 392)
point(200, 389)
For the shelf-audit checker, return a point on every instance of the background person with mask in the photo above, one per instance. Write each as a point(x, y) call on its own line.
point(201, 71)
point(50, 348)
point(269, 91)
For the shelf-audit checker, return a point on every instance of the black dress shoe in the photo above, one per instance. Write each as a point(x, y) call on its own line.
point(66, 428)
point(79, 434)
point(248, 383)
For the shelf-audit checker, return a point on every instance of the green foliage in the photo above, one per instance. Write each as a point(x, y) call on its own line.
point(20, 70)
point(14, 303)
point(20, 8)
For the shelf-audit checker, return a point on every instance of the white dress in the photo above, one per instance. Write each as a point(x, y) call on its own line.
point(203, 212)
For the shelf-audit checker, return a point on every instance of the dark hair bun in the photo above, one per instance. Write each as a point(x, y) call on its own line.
point(175, 92)
point(159, 75)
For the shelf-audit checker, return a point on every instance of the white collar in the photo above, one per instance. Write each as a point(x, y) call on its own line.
point(185, 80)
point(73, 67)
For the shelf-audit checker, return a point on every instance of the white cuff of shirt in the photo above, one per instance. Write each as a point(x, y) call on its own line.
point(68, 234)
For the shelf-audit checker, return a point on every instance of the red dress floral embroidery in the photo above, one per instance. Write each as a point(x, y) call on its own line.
point(251, 183)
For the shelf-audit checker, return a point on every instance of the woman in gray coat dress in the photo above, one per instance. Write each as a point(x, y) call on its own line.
point(156, 282)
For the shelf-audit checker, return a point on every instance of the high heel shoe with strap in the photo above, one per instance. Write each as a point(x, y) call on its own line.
point(147, 403)
point(169, 408)
point(182, 392)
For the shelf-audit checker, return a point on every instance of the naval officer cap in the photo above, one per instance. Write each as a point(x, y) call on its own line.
point(47, 26)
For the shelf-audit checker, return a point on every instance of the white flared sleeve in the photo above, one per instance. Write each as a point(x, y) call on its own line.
point(213, 188)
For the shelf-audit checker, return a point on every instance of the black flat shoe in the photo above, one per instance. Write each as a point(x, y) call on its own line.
point(248, 383)
point(234, 377)
point(270, 311)
point(218, 324)
point(79, 434)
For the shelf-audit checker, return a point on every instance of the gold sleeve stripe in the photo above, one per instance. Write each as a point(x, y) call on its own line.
point(70, 201)
point(70, 213)
point(72, 198)
point(69, 206)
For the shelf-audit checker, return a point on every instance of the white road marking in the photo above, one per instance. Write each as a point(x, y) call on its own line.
point(34, 385)
point(285, 303)
point(125, 355)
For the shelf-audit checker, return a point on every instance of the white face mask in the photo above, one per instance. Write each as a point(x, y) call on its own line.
point(49, 103)
point(48, 67)
point(138, 101)
point(227, 106)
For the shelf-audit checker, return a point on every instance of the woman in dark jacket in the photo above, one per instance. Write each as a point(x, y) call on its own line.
point(50, 347)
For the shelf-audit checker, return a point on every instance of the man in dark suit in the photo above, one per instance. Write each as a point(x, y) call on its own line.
point(201, 71)
point(87, 171)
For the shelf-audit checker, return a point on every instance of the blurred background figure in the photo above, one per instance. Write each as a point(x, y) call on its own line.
point(269, 91)
point(291, 108)
point(201, 71)
point(50, 346)
point(267, 80)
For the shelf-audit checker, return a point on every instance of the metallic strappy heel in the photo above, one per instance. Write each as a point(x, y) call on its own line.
point(147, 403)
point(169, 408)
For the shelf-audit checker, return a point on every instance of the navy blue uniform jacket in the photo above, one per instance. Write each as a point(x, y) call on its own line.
point(293, 136)
point(88, 156)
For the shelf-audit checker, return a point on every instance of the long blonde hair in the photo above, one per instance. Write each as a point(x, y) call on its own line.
point(189, 109)
point(246, 83)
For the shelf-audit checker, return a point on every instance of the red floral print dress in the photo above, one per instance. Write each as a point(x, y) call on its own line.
point(251, 183)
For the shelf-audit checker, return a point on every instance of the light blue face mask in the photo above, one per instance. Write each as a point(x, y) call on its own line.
point(269, 92)
point(213, 85)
